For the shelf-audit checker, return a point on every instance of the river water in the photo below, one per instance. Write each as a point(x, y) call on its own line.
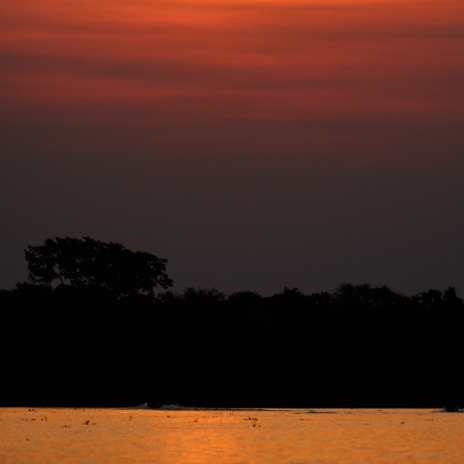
point(181, 436)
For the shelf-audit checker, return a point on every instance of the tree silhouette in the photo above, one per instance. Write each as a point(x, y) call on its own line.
point(366, 294)
point(87, 263)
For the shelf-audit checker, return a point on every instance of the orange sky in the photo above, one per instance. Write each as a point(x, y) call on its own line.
point(180, 61)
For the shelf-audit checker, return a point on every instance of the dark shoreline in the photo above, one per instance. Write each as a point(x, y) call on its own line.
point(366, 347)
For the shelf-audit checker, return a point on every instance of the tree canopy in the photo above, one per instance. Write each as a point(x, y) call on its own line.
point(85, 262)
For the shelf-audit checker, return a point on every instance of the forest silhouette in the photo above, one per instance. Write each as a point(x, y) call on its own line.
point(95, 325)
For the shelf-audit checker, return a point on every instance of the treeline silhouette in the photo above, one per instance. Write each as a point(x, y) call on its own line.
point(357, 346)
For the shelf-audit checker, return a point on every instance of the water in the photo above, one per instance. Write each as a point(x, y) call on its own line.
point(183, 436)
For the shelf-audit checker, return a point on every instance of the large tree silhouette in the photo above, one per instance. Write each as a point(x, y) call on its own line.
point(84, 263)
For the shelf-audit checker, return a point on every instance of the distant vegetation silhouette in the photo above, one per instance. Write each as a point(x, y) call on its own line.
point(89, 329)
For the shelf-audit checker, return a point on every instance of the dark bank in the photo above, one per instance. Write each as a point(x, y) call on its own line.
point(88, 329)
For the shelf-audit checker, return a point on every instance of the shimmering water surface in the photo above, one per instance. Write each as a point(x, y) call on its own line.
point(230, 436)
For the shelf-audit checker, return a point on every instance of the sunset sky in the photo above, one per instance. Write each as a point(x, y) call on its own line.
point(255, 144)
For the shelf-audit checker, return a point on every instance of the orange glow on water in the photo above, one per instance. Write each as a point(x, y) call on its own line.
point(181, 62)
point(181, 437)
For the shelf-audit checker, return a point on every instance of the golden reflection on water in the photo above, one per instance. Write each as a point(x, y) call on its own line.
point(277, 436)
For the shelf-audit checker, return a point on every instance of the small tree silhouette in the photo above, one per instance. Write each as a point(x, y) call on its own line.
point(84, 263)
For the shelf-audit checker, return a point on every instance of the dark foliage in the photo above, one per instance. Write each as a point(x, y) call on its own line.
point(87, 329)
point(359, 346)
point(84, 263)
